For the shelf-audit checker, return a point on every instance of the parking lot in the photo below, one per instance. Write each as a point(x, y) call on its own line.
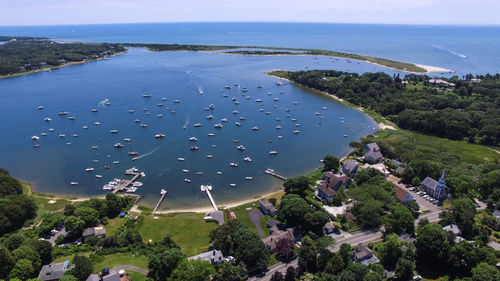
point(423, 203)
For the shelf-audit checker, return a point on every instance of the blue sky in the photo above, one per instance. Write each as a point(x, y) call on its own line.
point(448, 12)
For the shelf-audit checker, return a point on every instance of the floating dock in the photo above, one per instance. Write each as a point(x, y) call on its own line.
point(124, 183)
point(274, 174)
point(163, 193)
point(207, 189)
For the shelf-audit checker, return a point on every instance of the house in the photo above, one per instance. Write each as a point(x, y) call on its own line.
point(120, 276)
point(362, 252)
point(441, 82)
point(278, 234)
point(496, 214)
point(402, 195)
point(350, 167)
point(213, 257)
point(267, 208)
point(406, 238)
point(43, 63)
point(373, 155)
point(334, 181)
point(54, 271)
point(329, 228)
point(99, 231)
point(271, 223)
point(326, 193)
point(399, 166)
point(453, 228)
point(435, 189)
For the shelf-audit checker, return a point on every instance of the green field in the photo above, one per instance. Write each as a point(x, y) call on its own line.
point(136, 276)
point(187, 229)
point(112, 261)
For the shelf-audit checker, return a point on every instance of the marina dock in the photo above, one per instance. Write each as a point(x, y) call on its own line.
point(124, 183)
point(207, 189)
point(163, 193)
point(274, 174)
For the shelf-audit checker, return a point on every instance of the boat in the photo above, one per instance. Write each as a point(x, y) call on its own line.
point(137, 184)
point(68, 143)
point(295, 102)
point(185, 171)
point(36, 145)
point(62, 113)
point(75, 135)
point(219, 173)
point(199, 173)
point(247, 159)
point(211, 106)
point(47, 119)
point(107, 167)
point(160, 104)
point(276, 99)
point(147, 113)
point(193, 138)
point(194, 148)
point(240, 147)
point(144, 126)
point(236, 141)
point(72, 118)
point(280, 137)
point(95, 161)
point(224, 120)
point(232, 185)
point(160, 115)
point(134, 158)
point(74, 183)
point(269, 93)
point(43, 134)
point(130, 189)
point(197, 125)
point(294, 120)
point(118, 145)
point(146, 96)
point(237, 123)
point(209, 117)
point(41, 107)
point(218, 125)
point(114, 131)
point(247, 97)
point(97, 123)
point(163, 99)
point(279, 83)
point(255, 128)
point(131, 111)
point(242, 117)
point(236, 112)
point(258, 100)
point(269, 141)
point(261, 109)
point(244, 89)
point(35, 137)
point(267, 113)
point(180, 159)
point(211, 134)
point(98, 176)
point(273, 152)
point(277, 127)
point(278, 119)
point(62, 135)
point(287, 110)
point(187, 180)
point(227, 87)
point(317, 113)
point(93, 110)
point(159, 136)
point(126, 139)
point(345, 136)
point(89, 170)
point(275, 106)
point(296, 131)
point(137, 120)
point(94, 147)
point(259, 86)
point(249, 178)
point(177, 101)
point(85, 127)
point(133, 153)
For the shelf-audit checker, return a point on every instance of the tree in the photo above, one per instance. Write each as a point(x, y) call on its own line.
point(89, 216)
point(74, 225)
point(369, 213)
point(284, 249)
point(22, 270)
point(297, 185)
point(9, 185)
point(97, 204)
point(82, 269)
point(114, 205)
point(485, 272)
point(390, 251)
point(277, 276)
point(345, 253)
point(354, 272)
point(315, 221)
point(331, 163)
point(44, 249)
point(335, 265)
point(404, 269)
point(464, 256)
point(193, 270)
point(28, 253)
point(68, 277)
point(14, 241)
point(399, 220)
point(6, 262)
point(464, 211)
point(413, 207)
point(489, 182)
point(69, 210)
point(293, 210)
point(161, 265)
point(431, 244)
point(308, 253)
point(290, 274)
point(228, 272)
point(250, 249)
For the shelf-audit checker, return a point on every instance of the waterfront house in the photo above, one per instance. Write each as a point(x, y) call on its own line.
point(350, 167)
point(435, 189)
point(99, 231)
point(335, 181)
point(329, 228)
point(213, 257)
point(54, 271)
point(402, 195)
point(267, 208)
point(373, 155)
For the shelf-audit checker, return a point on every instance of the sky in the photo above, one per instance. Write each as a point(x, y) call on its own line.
point(428, 12)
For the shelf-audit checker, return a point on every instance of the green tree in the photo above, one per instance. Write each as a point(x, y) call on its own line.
point(114, 205)
point(250, 249)
point(404, 269)
point(399, 220)
point(485, 272)
point(297, 185)
point(22, 270)
point(345, 253)
point(74, 225)
point(227, 272)
point(89, 216)
point(14, 241)
point(161, 265)
point(193, 270)
point(431, 245)
point(284, 249)
point(6, 262)
point(277, 276)
point(44, 249)
point(308, 253)
point(464, 211)
point(413, 207)
point(293, 210)
point(335, 265)
point(82, 269)
point(28, 253)
point(331, 163)
point(315, 221)
point(390, 251)
point(9, 185)
point(354, 272)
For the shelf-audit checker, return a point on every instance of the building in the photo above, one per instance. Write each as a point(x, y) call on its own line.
point(330, 185)
point(54, 271)
point(438, 81)
point(380, 167)
point(277, 234)
point(267, 208)
point(120, 276)
point(399, 166)
point(453, 228)
point(329, 228)
point(373, 155)
point(99, 231)
point(213, 257)
point(435, 189)
point(361, 253)
point(350, 167)
point(326, 193)
point(402, 195)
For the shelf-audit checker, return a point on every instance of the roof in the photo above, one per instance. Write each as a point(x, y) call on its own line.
point(395, 162)
point(329, 225)
point(373, 155)
point(328, 174)
point(361, 251)
point(453, 228)
point(496, 214)
point(266, 204)
point(430, 183)
point(88, 231)
point(328, 191)
point(401, 194)
point(335, 179)
point(212, 257)
point(54, 271)
point(110, 277)
point(350, 165)
point(373, 146)
point(277, 235)
point(99, 231)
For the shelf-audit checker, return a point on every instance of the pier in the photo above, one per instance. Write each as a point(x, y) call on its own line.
point(274, 174)
point(163, 193)
point(207, 189)
point(124, 183)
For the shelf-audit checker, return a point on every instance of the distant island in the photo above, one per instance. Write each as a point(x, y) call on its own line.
point(22, 55)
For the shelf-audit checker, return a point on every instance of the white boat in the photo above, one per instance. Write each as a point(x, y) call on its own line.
point(197, 125)
point(233, 164)
point(43, 134)
point(130, 189)
point(255, 128)
point(224, 120)
point(317, 113)
point(114, 131)
point(237, 123)
point(199, 173)
point(276, 99)
point(273, 152)
point(159, 136)
point(116, 162)
point(97, 123)
point(209, 117)
point(47, 119)
point(62, 113)
point(163, 99)
point(126, 139)
point(106, 102)
point(131, 111)
point(41, 107)
point(218, 125)
point(95, 161)
point(193, 138)
point(146, 96)
point(258, 100)
point(277, 127)
point(74, 183)
point(137, 120)
point(177, 101)
point(210, 156)
point(236, 112)
point(93, 110)
point(194, 148)
point(185, 171)
point(160, 115)
point(345, 136)
point(137, 184)
point(211, 134)
point(242, 117)
point(232, 185)
point(249, 178)
point(144, 126)
point(180, 159)
point(219, 173)
point(280, 137)
point(297, 125)
point(160, 104)
point(294, 120)
point(279, 83)
point(36, 145)
point(296, 131)
point(259, 86)
point(261, 109)
point(187, 180)
point(227, 87)
point(98, 176)
point(295, 102)
point(95, 147)
point(85, 127)
point(62, 135)
point(278, 119)
point(35, 137)
point(247, 159)
point(287, 110)
point(118, 145)
point(240, 147)
point(72, 118)
point(89, 170)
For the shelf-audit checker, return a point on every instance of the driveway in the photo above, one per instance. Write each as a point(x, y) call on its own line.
point(52, 239)
point(255, 216)
point(116, 269)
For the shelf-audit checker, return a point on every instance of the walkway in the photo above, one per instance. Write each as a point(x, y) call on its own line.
point(255, 216)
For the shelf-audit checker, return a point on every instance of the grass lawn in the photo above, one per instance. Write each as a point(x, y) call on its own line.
point(111, 260)
point(43, 203)
point(187, 229)
point(241, 213)
point(136, 276)
point(114, 224)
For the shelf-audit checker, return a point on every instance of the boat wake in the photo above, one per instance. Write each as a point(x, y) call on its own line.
point(186, 123)
point(149, 153)
point(103, 102)
point(450, 51)
point(200, 90)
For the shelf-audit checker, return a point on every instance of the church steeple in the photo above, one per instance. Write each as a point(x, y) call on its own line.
point(442, 182)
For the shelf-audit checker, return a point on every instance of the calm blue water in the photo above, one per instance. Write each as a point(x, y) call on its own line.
point(464, 49)
point(196, 80)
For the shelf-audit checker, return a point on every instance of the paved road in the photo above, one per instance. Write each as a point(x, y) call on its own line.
point(116, 269)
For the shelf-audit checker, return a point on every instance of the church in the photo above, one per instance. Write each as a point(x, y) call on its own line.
point(435, 189)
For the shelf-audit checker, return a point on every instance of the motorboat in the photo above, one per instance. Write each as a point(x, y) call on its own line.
point(74, 183)
point(258, 100)
point(159, 136)
point(242, 117)
point(240, 147)
point(249, 178)
point(146, 96)
point(187, 180)
point(233, 164)
point(114, 131)
point(273, 152)
point(35, 138)
point(95, 147)
point(160, 104)
point(232, 185)
point(41, 107)
point(236, 112)
point(194, 148)
point(36, 145)
point(93, 110)
point(237, 123)
point(133, 153)
point(224, 120)
point(276, 99)
point(193, 138)
point(118, 145)
point(297, 125)
point(218, 125)
point(211, 134)
point(62, 113)
point(85, 127)
point(279, 83)
point(296, 131)
point(75, 135)
point(62, 135)
point(131, 111)
point(277, 127)
point(219, 173)
point(209, 156)
point(89, 170)
point(255, 128)
point(116, 162)
point(43, 134)
point(144, 126)
point(185, 171)
point(247, 159)
point(98, 176)
point(177, 101)
point(180, 159)
point(209, 117)
point(137, 120)
point(126, 139)
point(47, 119)
point(159, 115)
point(197, 125)
point(97, 123)
point(72, 118)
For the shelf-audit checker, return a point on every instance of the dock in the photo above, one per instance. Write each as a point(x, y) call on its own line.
point(274, 174)
point(163, 193)
point(124, 183)
point(207, 189)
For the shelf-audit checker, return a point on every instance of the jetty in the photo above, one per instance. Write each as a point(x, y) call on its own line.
point(163, 193)
point(122, 184)
point(274, 174)
point(207, 189)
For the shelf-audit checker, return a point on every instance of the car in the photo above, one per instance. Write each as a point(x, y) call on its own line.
point(407, 186)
